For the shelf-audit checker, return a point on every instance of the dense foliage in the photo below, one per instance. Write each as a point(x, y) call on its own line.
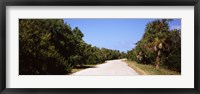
point(52, 47)
point(158, 46)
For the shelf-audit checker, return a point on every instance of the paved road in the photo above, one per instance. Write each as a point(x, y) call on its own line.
point(112, 67)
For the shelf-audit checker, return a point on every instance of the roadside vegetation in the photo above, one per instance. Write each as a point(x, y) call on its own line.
point(52, 47)
point(148, 69)
point(159, 46)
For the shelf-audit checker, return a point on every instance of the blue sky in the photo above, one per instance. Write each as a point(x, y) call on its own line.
point(117, 34)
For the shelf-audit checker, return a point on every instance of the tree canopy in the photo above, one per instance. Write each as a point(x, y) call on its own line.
point(159, 43)
point(49, 46)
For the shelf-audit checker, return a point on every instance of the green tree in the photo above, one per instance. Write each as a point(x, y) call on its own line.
point(158, 46)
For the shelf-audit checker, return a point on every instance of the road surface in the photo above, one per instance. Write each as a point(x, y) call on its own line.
point(110, 68)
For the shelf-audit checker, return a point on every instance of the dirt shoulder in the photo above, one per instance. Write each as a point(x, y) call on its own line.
point(145, 69)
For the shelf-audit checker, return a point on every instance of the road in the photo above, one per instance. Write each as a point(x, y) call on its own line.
point(110, 68)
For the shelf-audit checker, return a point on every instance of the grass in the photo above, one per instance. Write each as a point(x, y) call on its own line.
point(79, 68)
point(145, 69)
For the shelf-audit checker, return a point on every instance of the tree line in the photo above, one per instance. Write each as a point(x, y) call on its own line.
point(52, 47)
point(159, 46)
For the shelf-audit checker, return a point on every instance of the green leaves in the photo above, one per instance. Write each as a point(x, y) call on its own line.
point(41, 43)
point(49, 46)
point(159, 40)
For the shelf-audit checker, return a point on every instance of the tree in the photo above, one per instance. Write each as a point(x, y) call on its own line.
point(46, 46)
point(158, 47)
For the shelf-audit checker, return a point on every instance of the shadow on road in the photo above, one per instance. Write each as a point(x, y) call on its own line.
point(85, 66)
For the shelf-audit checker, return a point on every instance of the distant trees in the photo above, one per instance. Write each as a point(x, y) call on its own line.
point(159, 46)
point(52, 47)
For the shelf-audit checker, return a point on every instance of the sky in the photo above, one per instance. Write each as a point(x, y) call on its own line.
point(116, 34)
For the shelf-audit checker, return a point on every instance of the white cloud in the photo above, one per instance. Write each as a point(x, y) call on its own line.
point(175, 27)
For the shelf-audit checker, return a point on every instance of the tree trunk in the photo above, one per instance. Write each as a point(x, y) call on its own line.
point(157, 62)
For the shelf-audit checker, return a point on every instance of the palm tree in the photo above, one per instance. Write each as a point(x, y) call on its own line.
point(153, 42)
point(159, 29)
